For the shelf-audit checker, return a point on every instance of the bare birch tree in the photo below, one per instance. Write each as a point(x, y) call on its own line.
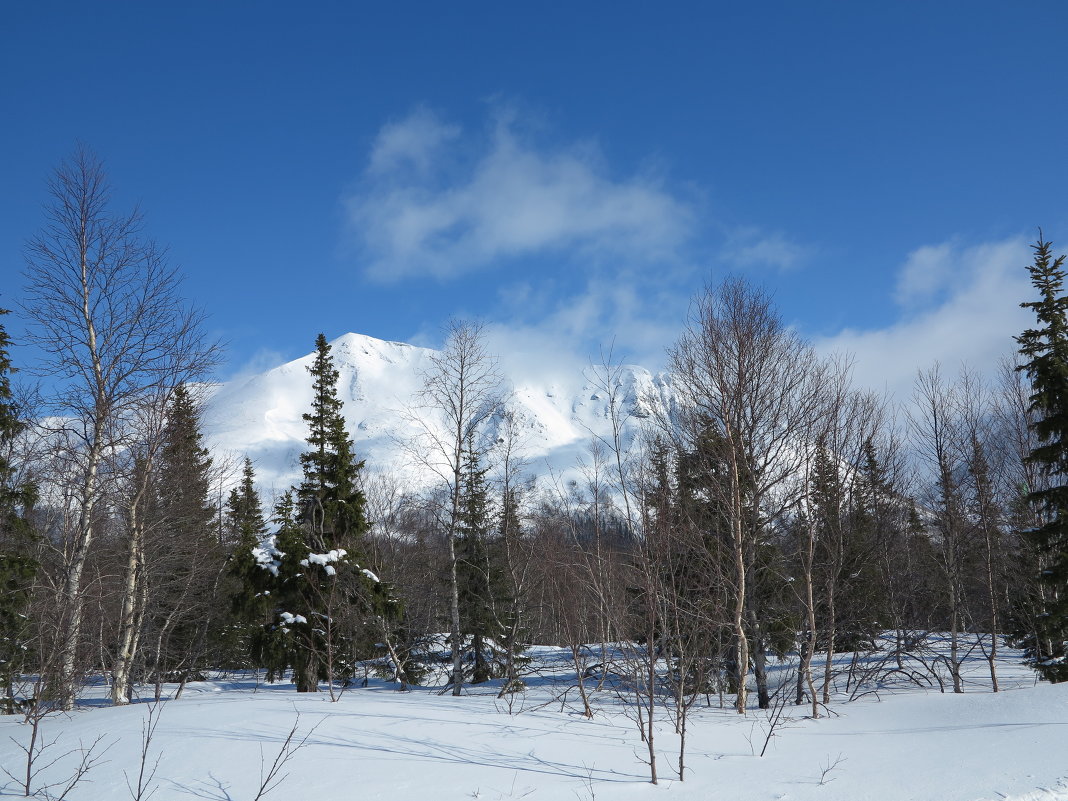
point(462, 390)
point(740, 371)
point(106, 309)
point(985, 506)
point(936, 427)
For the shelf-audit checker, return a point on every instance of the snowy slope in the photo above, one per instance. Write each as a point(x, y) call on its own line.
point(558, 415)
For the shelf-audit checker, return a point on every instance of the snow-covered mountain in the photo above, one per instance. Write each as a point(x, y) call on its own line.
point(557, 415)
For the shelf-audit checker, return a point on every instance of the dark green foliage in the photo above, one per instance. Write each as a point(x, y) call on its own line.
point(18, 565)
point(986, 569)
point(1026, 601)
point(186, 545)
point(889, 524)
point(513, 636)
point(688, 541)
point(691, 547)
point(184, 483)
point(321, 609)
point(1046, 350)
point(897, 585)
point(480, 573)
point(847, 530)
point(284, 592)
point(245, 528)
point(330, 500)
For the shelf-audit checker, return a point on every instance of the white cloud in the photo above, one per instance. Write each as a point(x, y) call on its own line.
point(928, 271)
point(959, 305)
point(423, 208)
point(260, 361)
point(636, 321)
point(751, 247)
point(413, 142)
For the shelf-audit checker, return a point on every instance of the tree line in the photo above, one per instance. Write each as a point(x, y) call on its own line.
point(774, 509)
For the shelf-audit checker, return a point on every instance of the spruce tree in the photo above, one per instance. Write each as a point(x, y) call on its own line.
point(334, 522)
point(680, 546)
point(512, 628)
point(331, 500)
point(245, 530)
point(245, 526)
point(479, 575)
point(186, 544)
point(326, 608)
point(18, 566)
point(846, 550)
point(1045, 348)
point(695, 518)
point(283, 579)
point(184, 484)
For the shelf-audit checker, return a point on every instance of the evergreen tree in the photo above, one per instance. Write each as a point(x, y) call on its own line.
point(846, 552)
point(479, 574)
point(334, 521)
point(326, 610)
point(281, 578)
point(187, 554)
point(184, 483)
point(331, 501)
point(245, 530)
point(510, 612)
point(18, 566)
point(880, 517)
point(245, 526)
point(691, 526)
point(1026, 596)
point(704, 501)
point(1046, 350)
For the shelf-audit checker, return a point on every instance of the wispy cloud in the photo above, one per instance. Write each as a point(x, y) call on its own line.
point(637, 321)
point(958, 305)
point(411, 145)
point(426, 206)
point(749, 247)
point(929, 272)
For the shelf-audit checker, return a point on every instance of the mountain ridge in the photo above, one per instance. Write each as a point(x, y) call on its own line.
point(558, 413)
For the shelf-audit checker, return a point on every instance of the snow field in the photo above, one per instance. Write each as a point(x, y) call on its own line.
point(904, 742)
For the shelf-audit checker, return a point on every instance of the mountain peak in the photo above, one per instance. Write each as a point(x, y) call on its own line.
point(354, 340)
point(379, 383)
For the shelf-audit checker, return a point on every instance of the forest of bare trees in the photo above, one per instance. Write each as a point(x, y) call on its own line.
point(778, 512)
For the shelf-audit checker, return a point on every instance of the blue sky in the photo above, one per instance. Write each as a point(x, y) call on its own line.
point(568, 172)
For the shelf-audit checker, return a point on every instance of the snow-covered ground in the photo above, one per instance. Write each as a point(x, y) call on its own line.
point(904, 742)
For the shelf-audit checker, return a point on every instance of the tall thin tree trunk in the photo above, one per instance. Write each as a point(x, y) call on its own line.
point(828, 665)
point(454, 609)
point(72, 598)
point(742, 641)
point(650, 679)
point(994, 620)
point(804, 674)
point(128, 618)
point(740, 589)
point(760, 661)
point(954, 638)
point(132, 590)
point(72, 595)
